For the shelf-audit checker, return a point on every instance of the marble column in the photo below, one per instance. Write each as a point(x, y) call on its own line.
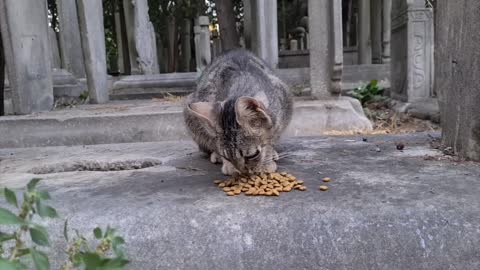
point(69, 38)
point(363, 36)
point(264, 30)
point(386, 36)
point(24, 28)
point(376, 30)
point(92, 34)
point(320, 64)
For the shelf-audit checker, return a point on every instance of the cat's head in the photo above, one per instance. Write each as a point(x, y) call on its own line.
point(242, 129)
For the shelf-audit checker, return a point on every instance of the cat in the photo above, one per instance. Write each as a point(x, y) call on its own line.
point(238, 112)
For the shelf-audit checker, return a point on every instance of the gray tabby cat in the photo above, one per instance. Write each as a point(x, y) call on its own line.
point(238, 112)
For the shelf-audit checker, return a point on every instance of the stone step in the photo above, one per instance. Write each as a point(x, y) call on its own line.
point(156, 120)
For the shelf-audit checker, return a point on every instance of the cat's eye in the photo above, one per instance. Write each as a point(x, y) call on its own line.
point(254, 155)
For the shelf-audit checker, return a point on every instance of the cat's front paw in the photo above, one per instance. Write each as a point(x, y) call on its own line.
point(228, 168)
point(215, 158)
point(270, 167)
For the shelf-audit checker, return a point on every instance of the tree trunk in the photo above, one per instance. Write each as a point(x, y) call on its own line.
point(2, 77)
point(228, 28)
point(457, 74)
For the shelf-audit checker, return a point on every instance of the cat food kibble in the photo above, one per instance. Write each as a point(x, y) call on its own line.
point(267, 184)
point(323, 188)
point(326, 179)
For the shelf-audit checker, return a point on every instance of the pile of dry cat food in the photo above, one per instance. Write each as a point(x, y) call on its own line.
point(266, 184)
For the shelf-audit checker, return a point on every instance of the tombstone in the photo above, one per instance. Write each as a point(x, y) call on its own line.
point(386, 34)
point(145, 44)
point(411, 51)
point(202, 43)
point(186, 48)
point(54, 51)
point(293, 45)
point(364, 34)
point(92, 33)
point(69, 38)
point(376, 30)
point(27, 53)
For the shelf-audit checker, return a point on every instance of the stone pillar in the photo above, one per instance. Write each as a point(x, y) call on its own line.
point(120, 44)
point(145, 44)
point(202, 43)
point(264, 37)
point(24, 28)
point(336, 44)
point(387, 17)
point(326, 47)
point(363, 36)
point(130, 32)
point(92, 33)
point(457, 75)
point(376, 30)
point(247, 23)
point(54, 51)
point(412, 51)
point(69, 38)
point(319, 27)
point(186, 48)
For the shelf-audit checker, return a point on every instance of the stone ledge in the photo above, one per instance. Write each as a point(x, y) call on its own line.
point(147, 121)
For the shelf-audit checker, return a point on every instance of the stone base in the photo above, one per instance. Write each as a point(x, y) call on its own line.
point(312, 118)
point(148, 121)
point(427, 109)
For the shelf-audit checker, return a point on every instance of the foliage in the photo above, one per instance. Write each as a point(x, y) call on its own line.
point(368, 93)
point(17, 253)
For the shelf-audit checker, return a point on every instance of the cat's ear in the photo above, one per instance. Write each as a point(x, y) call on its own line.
point(252, 113)
point(205, 112)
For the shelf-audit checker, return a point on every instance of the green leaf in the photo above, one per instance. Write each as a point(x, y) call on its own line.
point(9, 218)
point(97, 232)
point(40, 260)
point(8, 265)
point(11, 197)
point(5, 237)
point(23, 252)
point(91, 260)
point(109, 232)
point(113, 264)
point(116, 245)
point(44, 195)
point(39, 236)
point(46, 211)
point(32, 184)
point(65, 230)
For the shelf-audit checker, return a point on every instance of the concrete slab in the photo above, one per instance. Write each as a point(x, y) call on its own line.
point(155, 120)
point(385, 209)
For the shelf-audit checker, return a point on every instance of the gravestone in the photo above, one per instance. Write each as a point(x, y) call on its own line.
point(411, 51)
point(202, 43)
point(92, 33)
point(145, 43)
point(27, 51)
point(69, 38)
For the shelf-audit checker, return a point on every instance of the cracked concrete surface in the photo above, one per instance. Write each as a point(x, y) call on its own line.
point(385, 209)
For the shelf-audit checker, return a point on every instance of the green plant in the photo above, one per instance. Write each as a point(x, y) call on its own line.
point(369, 93)
point(16, 253)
